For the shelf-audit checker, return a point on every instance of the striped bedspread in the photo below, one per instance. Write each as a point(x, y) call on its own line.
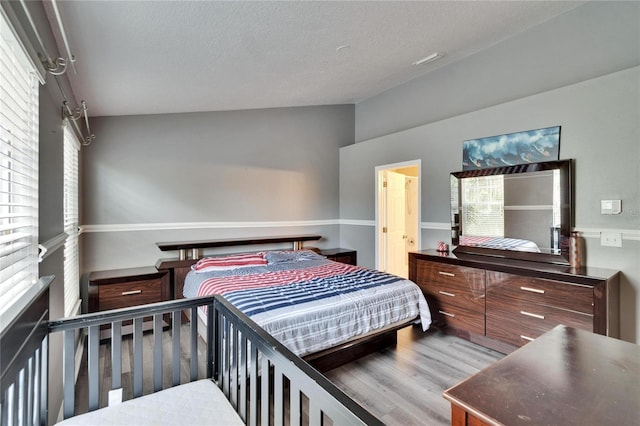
point(316, 304)
point(500, 243)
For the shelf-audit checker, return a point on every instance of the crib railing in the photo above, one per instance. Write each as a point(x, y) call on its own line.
point(92, 326)
point(265, 382)
point(251, 363)
point(23, 361)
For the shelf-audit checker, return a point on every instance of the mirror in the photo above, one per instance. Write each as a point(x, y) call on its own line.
point(521, 212)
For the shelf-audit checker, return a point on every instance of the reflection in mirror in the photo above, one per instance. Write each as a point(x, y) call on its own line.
point(506, 210)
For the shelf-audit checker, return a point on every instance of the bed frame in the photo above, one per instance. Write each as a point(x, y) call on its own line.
point(238, 353)
point(324, 360)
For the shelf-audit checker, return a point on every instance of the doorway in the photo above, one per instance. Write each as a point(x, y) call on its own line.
point(397, 215)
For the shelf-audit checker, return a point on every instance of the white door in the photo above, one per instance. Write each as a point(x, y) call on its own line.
point(397, 215)
point(396, 235)
point(411, 222)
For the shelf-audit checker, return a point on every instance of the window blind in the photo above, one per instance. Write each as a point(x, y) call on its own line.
point(70, 205)
point(483, 209)
point(18, 168)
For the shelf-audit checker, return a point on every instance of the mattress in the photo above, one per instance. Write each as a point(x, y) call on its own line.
point(196, 403)
point(310, 303)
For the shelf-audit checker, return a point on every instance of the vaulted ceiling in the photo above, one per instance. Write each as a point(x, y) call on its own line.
point(148, 57)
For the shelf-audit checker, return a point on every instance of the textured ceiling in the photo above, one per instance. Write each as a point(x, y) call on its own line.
point(148, 57)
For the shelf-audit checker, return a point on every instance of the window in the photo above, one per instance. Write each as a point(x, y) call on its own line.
point(18, 168)
point(483, 208)
point(71, 257)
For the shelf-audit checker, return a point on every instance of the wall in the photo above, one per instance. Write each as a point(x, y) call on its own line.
point(209, 175)
point(592, 40)
point(600, 130)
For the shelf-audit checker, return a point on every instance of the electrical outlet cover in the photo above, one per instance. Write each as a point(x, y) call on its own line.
point(611, 239)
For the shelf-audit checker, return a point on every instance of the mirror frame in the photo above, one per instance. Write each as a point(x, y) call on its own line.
point(566, 214)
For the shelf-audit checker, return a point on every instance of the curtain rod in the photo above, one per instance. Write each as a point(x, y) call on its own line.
point(57, 68)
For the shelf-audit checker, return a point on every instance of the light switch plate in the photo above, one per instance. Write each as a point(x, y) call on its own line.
point(610, 206)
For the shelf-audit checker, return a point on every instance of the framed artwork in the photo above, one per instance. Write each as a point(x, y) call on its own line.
point(531, 146)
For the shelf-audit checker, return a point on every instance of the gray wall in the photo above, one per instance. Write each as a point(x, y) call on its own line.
point(600, 130)
point(209, 175)
point(592, 40)
point(542, 77)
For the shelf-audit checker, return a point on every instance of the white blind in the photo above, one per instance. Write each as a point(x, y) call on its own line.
point(71, 257)
point(483, 208)
point(18, 169)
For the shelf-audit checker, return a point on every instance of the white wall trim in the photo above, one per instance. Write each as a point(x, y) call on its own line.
point(357, 222)
point(532, 207)
point(627, 234)
point(133, 227)
point(439, 226)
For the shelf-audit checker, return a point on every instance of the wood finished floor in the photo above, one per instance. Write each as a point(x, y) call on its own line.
point(402, 385)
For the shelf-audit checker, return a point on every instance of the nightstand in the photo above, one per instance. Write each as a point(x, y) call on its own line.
point(122, 288)
point(341, 255)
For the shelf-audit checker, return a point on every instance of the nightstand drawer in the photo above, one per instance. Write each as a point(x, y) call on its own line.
point(115, 296)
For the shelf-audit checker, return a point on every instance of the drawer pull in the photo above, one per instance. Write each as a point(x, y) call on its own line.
point(447, 314)
point(447, 274)
point(129, 293)
point(532, 290)
point(446, 293)
point(526, 338)
point(529, 314)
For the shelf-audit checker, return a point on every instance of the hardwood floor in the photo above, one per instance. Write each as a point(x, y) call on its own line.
point(402, 385)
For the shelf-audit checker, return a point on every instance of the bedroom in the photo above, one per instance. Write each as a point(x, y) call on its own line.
point(579, 70)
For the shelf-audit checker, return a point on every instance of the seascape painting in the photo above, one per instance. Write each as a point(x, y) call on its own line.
point(532, 146)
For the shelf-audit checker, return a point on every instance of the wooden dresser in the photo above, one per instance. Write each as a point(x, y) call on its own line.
point(566, 377)
point(503, 303)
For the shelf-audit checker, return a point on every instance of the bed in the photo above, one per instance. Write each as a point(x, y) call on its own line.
point(250, 377)
point(307, 302)
point(327, 312)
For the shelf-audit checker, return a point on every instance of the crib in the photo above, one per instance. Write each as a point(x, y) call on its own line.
point(261, 380)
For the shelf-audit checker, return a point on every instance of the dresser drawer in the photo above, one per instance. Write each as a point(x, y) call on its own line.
point(465, 299)
point(458, 284)
point(453, 315)
point(503, 288)
point(115, 296)
point(521, 319)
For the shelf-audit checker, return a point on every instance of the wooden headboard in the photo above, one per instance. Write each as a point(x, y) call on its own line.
point(180, 266)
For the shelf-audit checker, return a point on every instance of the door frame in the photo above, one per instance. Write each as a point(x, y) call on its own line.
point(378, 226)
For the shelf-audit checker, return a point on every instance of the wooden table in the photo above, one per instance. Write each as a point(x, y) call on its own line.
point(565, 377)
